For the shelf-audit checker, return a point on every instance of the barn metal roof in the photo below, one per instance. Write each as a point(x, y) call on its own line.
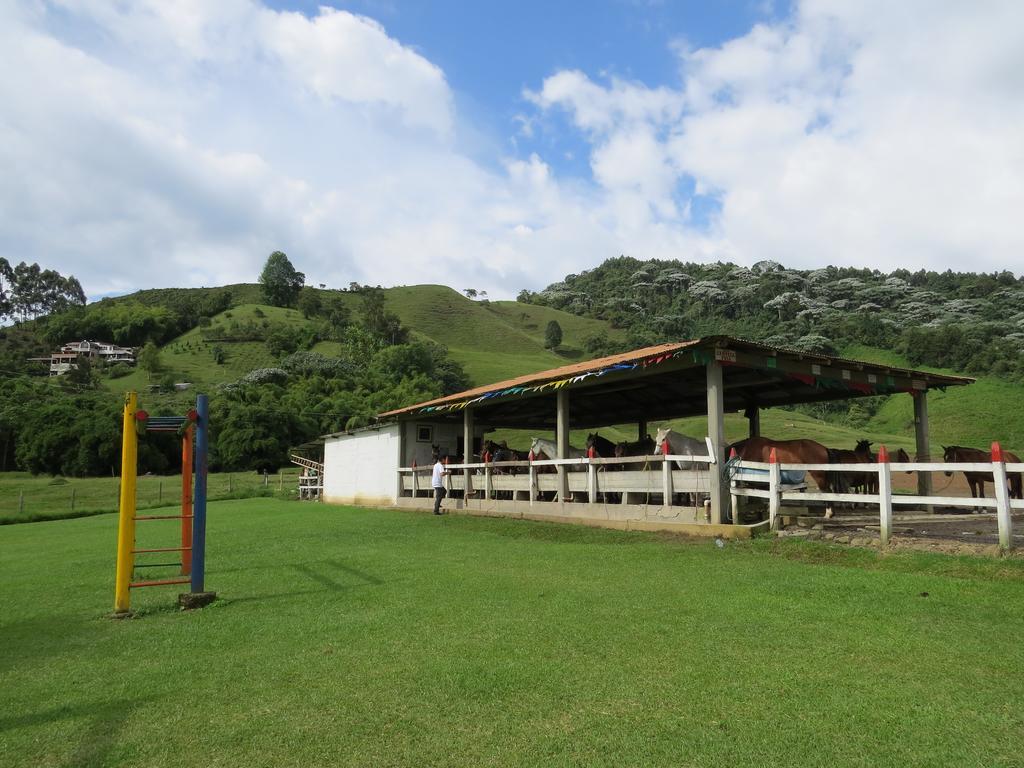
point(668, 381)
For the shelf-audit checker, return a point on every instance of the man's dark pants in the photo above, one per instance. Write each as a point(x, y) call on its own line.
point(439, 493)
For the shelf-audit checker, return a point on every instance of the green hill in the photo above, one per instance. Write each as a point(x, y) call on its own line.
point(499, 340)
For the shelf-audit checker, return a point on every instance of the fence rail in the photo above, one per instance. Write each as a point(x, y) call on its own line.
point(593, 476)
point(756, 473)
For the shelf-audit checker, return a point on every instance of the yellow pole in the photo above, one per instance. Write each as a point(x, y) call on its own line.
point(126, 519)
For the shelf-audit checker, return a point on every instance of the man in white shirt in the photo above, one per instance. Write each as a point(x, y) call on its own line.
point(437, 483)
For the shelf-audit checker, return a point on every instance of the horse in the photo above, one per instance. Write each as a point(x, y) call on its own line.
point(602, 446)
point(861, 454)
point(976, 480)
point(681, 445)
point(547, 449)
point(869, 481)
point(497, 452)
point(792, 452)
point(642, 447)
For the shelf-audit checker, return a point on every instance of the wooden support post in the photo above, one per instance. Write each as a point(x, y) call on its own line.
point(467, 452)
point(641, 429)
point(1003, 516)
point(591, 484)
point(753, 415)
point(562, 441)
point(415, 481)
point(884, 496)
point(716, 433)
point(488, 485)
point(774, 490)
point(924, 479)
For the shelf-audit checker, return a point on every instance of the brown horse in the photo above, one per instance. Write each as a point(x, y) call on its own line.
point(603, 447)
point(976, 480)
point(791, 452)
point(846, 481)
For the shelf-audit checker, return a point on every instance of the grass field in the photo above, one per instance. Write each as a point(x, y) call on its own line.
point(354, 637)
point(27, 498)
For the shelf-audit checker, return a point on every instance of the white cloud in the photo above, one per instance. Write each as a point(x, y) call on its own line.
point(872, 134)
point(178, 143)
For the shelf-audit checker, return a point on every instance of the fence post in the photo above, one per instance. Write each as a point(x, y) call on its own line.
point(666, 475)
point(774, 490)
point(884, 496)
point(532, 472)
point(488, 486)
point(734, 500)
point(415, 481)
point(1003, 517)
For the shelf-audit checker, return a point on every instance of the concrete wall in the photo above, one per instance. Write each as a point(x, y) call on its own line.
point(362, 468)
point(445, 435)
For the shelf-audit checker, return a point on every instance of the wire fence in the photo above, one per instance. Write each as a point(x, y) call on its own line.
point(24, 498)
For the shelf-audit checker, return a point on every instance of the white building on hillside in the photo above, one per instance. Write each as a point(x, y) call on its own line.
point(68, 355)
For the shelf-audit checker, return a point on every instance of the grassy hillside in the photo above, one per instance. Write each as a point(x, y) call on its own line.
point(500, 340)
point(190, 356)
point(975, 415)
point(493, 341)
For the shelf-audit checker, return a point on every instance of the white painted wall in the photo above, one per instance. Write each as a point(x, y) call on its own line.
point(362, 468)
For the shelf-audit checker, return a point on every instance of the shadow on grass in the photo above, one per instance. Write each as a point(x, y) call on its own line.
point(318, 575)
point(104, 723)
point(30, 640)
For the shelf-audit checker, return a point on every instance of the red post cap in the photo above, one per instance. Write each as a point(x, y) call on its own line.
point(883, 455)
point(529, 456)
point(665, 450)
point(732, 453)
point(997, 452)
point(141, 415)
point(773, 457)
point(591, 452)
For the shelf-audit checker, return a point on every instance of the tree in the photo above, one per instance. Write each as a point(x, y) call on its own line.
point(280, 281)
point(470, 292)
point(552, 335)
point(309, 303)
point(149, 359)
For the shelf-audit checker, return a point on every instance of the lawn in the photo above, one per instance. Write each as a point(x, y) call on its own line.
point(347, 636)
point(26, 498)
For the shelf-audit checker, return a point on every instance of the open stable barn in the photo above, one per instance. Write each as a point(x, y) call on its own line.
point(388, 463)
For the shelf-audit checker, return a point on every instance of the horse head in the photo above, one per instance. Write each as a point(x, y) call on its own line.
point(863, 448)
point(620, 450)
point(592, 440)
point(661, 437)
point(949, 456)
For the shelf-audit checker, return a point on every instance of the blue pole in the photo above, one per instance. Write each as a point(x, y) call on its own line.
point(199, 505)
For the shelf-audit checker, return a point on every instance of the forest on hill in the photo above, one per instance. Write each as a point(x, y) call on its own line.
point(285, 366)
point(967, 322)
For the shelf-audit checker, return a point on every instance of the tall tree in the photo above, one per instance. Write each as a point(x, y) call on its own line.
point(280, 281)
point(552, 335)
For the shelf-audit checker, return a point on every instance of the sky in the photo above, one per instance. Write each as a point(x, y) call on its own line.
point(502, 146)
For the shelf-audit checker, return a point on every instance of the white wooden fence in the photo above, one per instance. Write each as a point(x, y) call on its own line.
point(526, 480)
point(778, 494)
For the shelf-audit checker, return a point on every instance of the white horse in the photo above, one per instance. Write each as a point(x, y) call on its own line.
point(550, 449)
point(682, 445)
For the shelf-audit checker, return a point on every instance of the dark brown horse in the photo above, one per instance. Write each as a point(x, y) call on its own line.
point(603, 447)
point(861, 454)
point(955, 454)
